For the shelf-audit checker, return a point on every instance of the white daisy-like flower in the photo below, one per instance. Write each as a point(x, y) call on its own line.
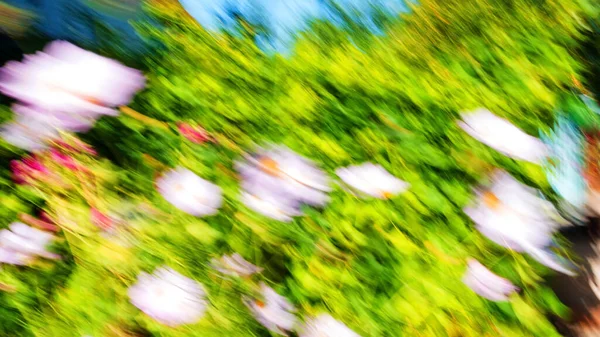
point(273, 311)
point(326, 326)
point(63, 87)
point(189, 193)
point(372, 179)
point(287, 172)
point(274, 206)
point(20, 244)
point(501, 135)
point(512, 215)
point(234, 265)
point(66, 78)
point(169, 297)
point(487, 284)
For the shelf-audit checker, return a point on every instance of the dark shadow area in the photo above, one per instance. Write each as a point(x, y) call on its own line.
point(576, 292)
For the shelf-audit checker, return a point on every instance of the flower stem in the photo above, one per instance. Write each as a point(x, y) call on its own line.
point(142, 118)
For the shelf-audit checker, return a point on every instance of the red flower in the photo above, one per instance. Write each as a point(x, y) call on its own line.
point(194, 134)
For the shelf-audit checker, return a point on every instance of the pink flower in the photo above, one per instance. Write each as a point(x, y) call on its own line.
point(28, 167)
point(64, 160)
point(19, 170)
point(34, 164)
point(194, 134)
point(100, 219)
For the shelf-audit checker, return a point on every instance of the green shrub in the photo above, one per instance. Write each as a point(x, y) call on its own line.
point(384, 268)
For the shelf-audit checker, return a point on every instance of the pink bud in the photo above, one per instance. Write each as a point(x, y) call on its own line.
point(194, 134)
point(100, 219)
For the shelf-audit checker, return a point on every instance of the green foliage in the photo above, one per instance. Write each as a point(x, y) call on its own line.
point(385, 268)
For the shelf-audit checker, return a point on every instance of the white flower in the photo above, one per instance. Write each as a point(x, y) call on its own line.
point(28, 134)
point(326, 326)
point(512, 215)
point(66, 78)
point(372, 180)
point(295, 168)
point(235, 265)
point(189, 193)
point(20, 244)
point(487, 284)
point(169, 297)
point(273, 311)
point(503, 136)
point(278, 207)
point(63, 88)
point(276, 182)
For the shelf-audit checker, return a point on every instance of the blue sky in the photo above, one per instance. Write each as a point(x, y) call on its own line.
point(63, 19)
point(284, 18)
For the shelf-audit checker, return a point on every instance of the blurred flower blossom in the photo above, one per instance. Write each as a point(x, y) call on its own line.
point(20, 244)
point(194, 134)
point(325, 326)
point(169, 297)
point(65, 78)
point(512, 215)
point(234, 265)
point(63, 88)
point(502, 136)
point(276, 182)
point(273, 311)
point(101, 220)
point(28, 134)
point(487, 284)
point(64, 160)
point(263, 195)
point(372, 179)
point(26, 169)
point(189, 193)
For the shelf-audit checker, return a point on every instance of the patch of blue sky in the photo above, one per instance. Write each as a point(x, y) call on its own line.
point(284, 19)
